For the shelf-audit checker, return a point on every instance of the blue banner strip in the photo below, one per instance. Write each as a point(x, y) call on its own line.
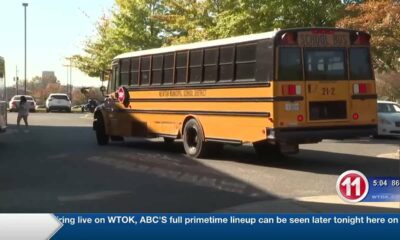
point(228, 226)
point(383, 189)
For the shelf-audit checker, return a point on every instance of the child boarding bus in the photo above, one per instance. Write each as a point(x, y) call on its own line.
point(275, 90)
point(3, 103)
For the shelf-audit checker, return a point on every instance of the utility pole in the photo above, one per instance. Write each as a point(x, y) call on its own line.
point(16, 79)
point(69, 80)
point(25, 5)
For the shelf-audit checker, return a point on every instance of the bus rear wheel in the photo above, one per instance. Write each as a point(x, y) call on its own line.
point(193, 139)
point(101, 136)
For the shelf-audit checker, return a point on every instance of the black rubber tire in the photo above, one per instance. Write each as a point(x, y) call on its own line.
point(117, 138)
point(101, 136)
point(47, 110)
point(267, 151)
point(193, 139)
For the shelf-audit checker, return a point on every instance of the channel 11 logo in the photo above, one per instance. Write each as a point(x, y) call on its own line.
point(352, 186)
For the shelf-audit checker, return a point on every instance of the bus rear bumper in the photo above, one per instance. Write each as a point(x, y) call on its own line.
point(316, 134)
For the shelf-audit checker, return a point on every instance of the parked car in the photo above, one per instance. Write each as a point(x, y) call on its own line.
point(3, 116)
point(14, 103)
point(59, 102)
point(388, 118)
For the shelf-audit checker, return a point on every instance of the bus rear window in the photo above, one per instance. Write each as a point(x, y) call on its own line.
point(322, 64)
point(360, 65)
point(290, 67)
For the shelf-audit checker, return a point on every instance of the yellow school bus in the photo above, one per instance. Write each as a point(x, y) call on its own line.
point(275, 90)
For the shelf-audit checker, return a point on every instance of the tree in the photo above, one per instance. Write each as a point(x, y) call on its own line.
point(132, 26)
point(381, 19)
point(98, 51)
point(211, 19)
point(307, 13)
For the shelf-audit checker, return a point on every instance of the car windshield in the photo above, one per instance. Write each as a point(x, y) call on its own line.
point(61, 97)
point(388, 108)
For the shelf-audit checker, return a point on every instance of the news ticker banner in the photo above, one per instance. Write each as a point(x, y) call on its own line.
point(353, 186)
point(199, 226)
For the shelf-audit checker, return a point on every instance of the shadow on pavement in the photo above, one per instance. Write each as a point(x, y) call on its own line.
point(61, 169)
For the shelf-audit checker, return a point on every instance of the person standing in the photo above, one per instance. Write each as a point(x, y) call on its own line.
point(23, 112)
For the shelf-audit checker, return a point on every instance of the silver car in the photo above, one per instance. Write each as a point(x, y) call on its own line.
point(59, 102)
point(388, 118)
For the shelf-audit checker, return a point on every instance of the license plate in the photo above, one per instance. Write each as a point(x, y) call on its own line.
point(292, 107)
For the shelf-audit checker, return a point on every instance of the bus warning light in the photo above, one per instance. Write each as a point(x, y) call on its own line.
point(356, 116)
point(289, 38)
point(300, 118)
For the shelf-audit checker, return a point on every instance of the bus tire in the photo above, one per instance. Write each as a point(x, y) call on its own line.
point(101, 136)
point(193, 139)
point(267, 150)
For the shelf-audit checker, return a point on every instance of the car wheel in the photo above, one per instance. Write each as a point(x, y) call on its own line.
point(47, 109)
point(101, 136)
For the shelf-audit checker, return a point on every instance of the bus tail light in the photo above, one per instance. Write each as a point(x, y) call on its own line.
point(360, 88)
point(291, 89)
point(356, 116)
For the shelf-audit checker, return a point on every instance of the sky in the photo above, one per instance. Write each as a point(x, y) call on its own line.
point(56, 29)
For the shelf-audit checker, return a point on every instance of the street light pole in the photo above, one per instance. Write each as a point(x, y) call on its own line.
point(25, 5)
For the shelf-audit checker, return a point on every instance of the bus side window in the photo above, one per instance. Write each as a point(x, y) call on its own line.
point(290, 66)
point(125, 72)
point(134, 71)
point(211, 64)
point(115, 77)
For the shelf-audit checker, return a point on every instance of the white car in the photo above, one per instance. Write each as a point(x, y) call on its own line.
point(59, 102)
point(3, 116)
point(388, 118)
point(14, 103)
